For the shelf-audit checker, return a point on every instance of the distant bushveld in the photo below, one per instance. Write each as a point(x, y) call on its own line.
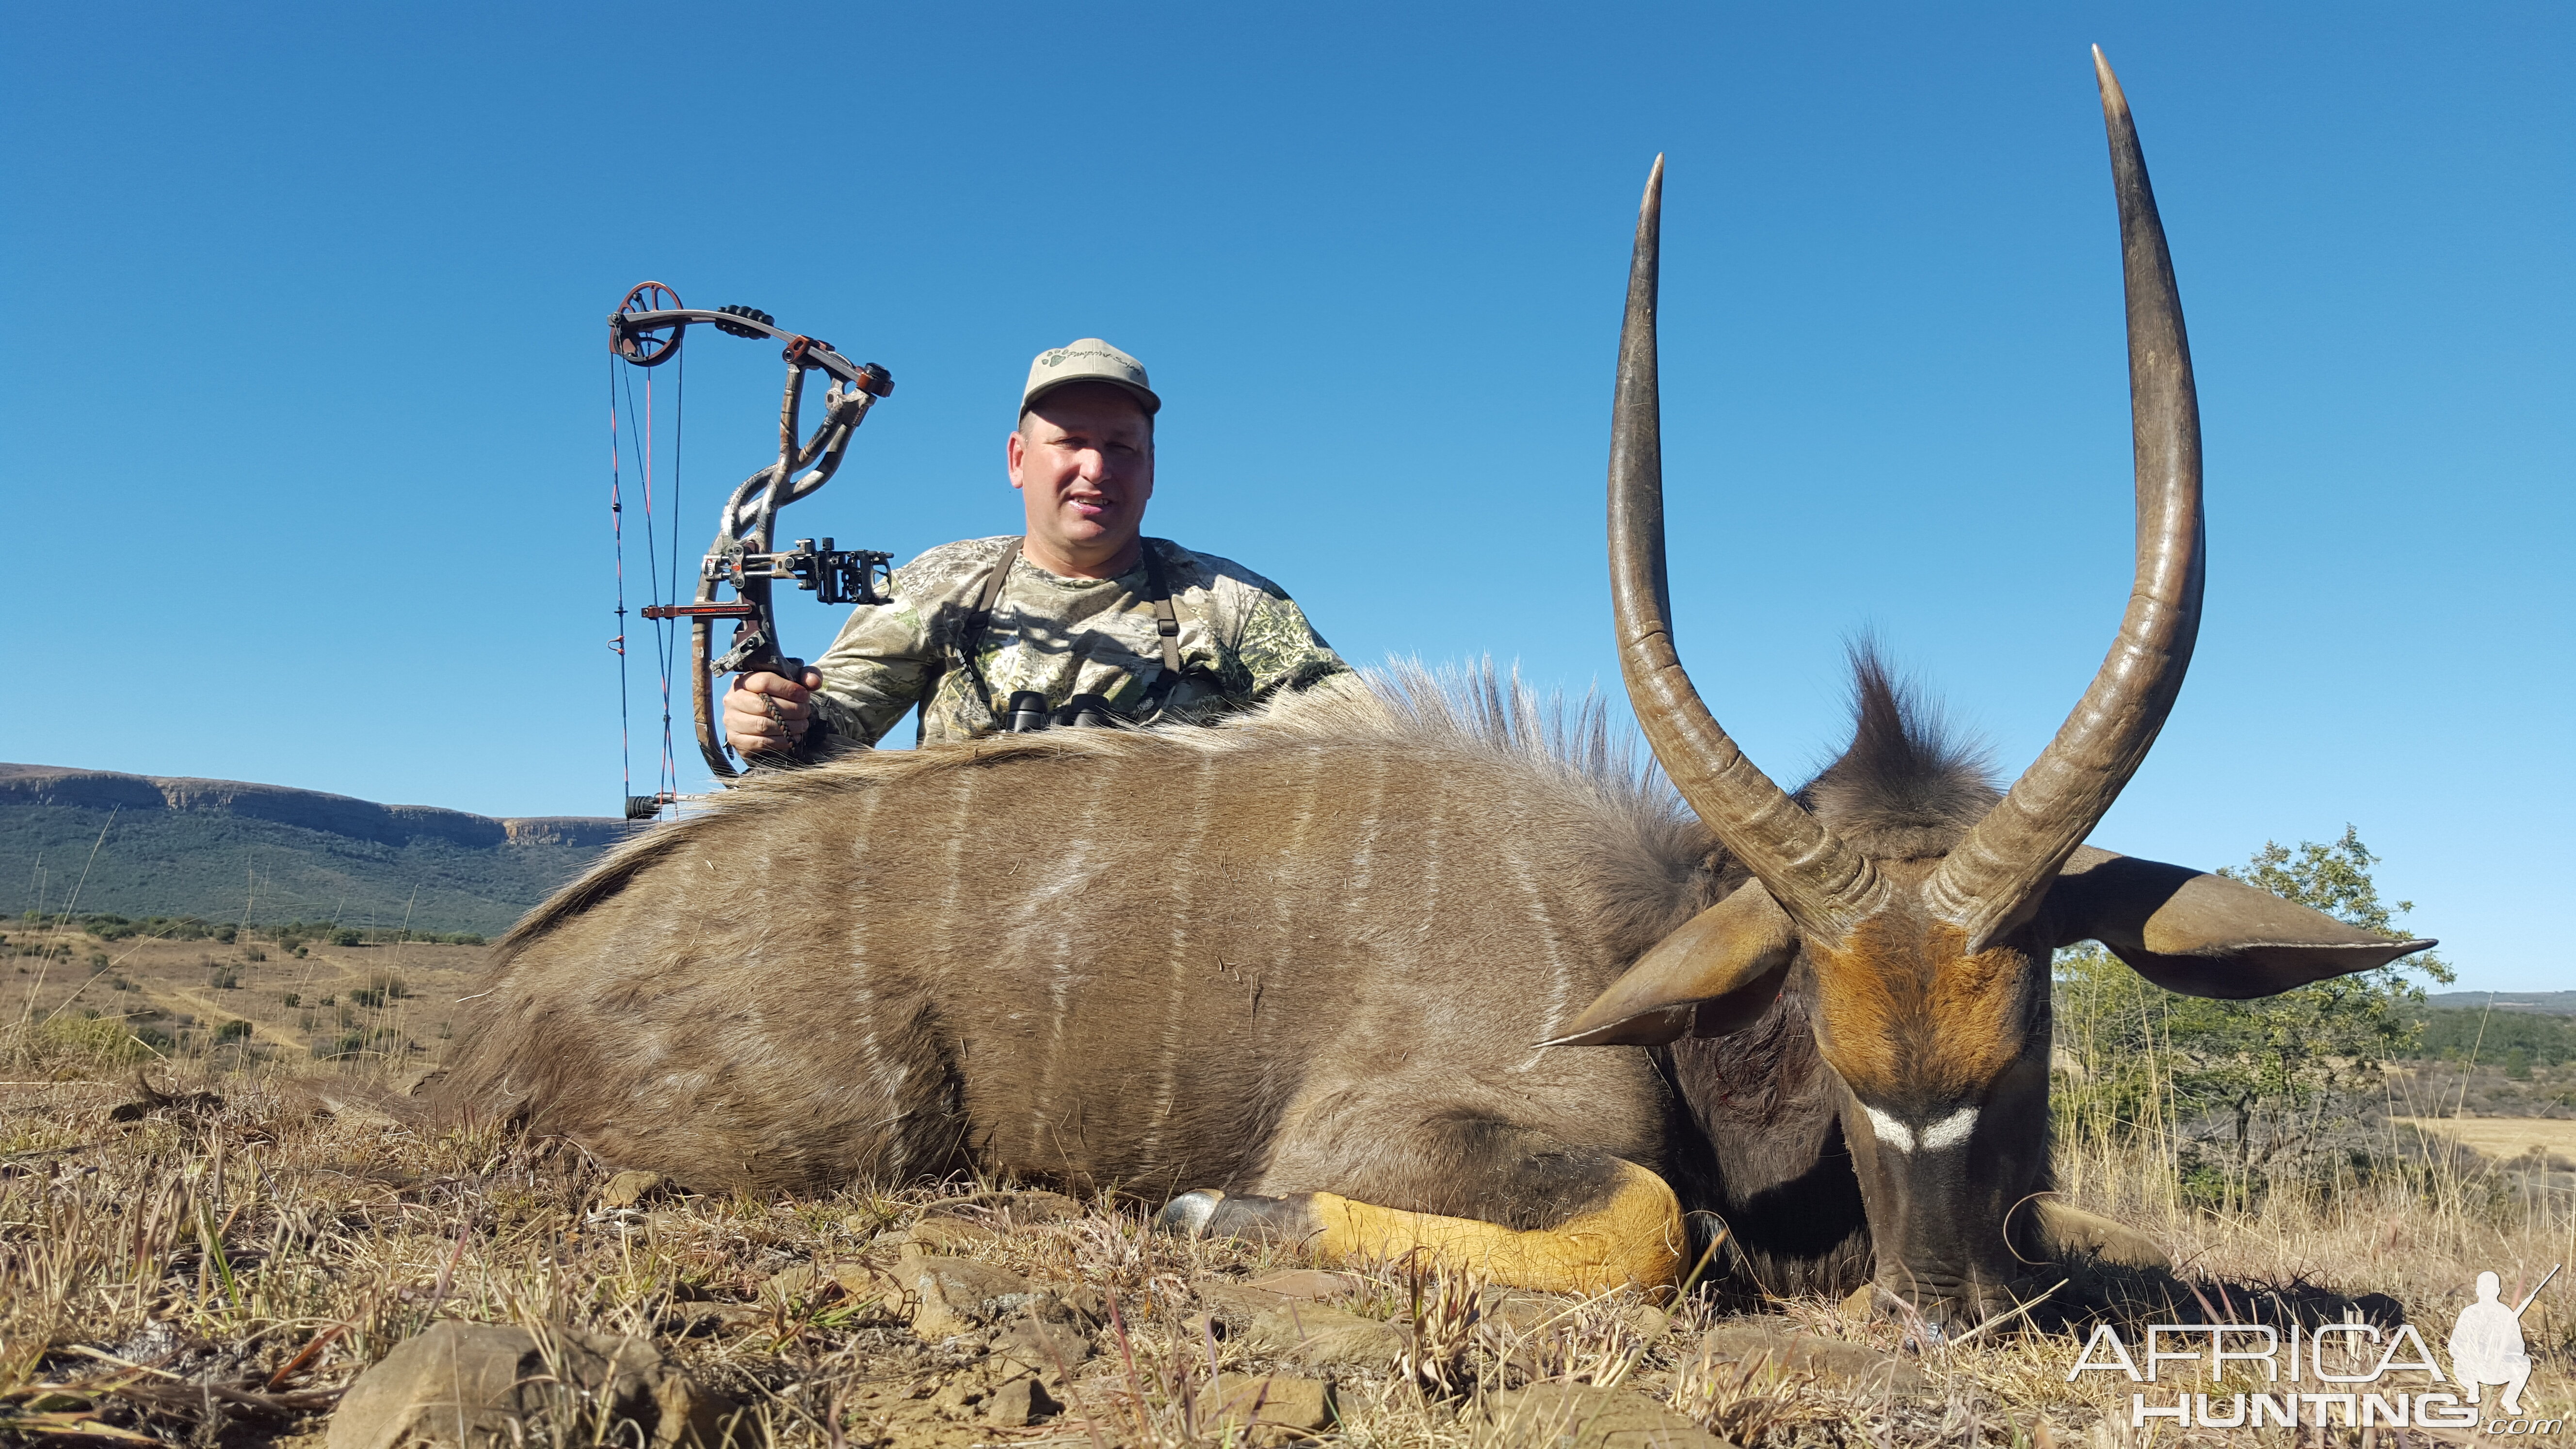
point(2516, 1041)
point(2545, 1003)
point(123, 850)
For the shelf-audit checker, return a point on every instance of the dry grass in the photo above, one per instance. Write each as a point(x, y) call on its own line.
point(2506, 1138)
point(209, 1269)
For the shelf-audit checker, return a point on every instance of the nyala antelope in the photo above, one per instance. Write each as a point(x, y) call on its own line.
point(1392, 971)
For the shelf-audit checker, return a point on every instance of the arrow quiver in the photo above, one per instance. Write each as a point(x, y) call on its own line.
point(646, 330)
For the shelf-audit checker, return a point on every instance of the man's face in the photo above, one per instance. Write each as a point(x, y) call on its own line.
point(1083, 460)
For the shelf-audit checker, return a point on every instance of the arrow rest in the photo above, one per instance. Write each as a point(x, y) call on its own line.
point(646, 331)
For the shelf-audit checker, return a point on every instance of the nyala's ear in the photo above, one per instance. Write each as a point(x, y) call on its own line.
point(1714, 975)
point(2205, 935)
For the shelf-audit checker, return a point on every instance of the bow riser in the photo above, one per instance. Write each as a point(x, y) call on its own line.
point(743, 556)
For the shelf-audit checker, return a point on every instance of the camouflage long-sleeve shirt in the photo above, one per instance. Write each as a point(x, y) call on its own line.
point(1242, 639)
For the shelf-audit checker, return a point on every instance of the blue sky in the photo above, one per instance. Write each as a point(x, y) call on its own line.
point(303, 453)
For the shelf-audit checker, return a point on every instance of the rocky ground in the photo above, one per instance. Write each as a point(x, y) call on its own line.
point(248, 1244)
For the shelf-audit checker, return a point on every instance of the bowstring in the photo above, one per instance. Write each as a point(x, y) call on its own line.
point(617, 540)
point(670, 629)
point(644, 429)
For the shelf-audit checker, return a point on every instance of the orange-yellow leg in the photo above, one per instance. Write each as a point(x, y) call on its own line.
point(1636, 1238)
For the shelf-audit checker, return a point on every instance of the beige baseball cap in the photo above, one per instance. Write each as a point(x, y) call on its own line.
point(1088, 359)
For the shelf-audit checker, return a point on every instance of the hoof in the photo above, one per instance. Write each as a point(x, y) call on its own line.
point(1187, 1215)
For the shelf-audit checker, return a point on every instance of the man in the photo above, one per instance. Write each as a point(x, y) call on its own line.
point(1082, 620)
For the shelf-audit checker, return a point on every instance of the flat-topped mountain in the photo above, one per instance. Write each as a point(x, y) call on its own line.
point(227, 850)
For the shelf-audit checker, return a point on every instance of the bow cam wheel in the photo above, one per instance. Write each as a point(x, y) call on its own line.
point(648, 346)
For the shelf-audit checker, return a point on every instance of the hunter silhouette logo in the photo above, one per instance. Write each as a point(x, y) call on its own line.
point(2486, 1342)
point(2486, 1351)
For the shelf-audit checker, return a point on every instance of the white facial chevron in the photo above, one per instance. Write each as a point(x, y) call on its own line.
point(1950, 1131)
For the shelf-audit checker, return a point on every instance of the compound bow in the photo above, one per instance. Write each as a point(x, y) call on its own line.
point(646, 330)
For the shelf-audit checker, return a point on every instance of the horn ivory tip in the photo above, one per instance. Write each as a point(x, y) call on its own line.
point(2114, 100)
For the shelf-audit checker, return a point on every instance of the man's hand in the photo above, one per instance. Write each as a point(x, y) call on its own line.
point(767, 714)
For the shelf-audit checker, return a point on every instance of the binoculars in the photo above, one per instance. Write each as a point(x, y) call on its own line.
point(1028, 712)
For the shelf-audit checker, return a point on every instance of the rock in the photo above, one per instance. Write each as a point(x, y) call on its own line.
point(1019, 1403)
point(1525, 1312)
point(1580, 1416)
point(743, 1317)
point(469, 1385)
point(1264, 1408)
point(946, 1235)
point(962, 1395)
point(632, 1189)
point(1043, 1347)
point(1320, 1337)
point(798, 1283)
point(1850, 1365)
point(958, 1295)
point(1016, 1207)
point(860, 1282)
point(1307, 1284)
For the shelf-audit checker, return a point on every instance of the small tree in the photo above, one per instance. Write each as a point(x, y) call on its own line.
point(2246, 1089)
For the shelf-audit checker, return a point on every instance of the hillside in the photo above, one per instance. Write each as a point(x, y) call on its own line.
point(226, 850)
point(2545, 1003)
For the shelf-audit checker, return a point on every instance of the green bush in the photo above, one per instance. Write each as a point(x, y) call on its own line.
point(2245, 1092)
point(102, 1039)
point(232, 1031)
point(342, 1045)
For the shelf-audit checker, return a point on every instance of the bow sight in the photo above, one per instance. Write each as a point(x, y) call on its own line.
point(646, 330)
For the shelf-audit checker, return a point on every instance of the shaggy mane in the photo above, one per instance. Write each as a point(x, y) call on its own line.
point(1904, 789)
point(1476, 710)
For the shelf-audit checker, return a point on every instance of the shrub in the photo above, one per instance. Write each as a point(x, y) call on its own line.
point(292, 999)
point(225, 978)
point(102, 1039)
point(233, 1031)
point(253, 953)
point(341, 1045)
point(346, 936)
